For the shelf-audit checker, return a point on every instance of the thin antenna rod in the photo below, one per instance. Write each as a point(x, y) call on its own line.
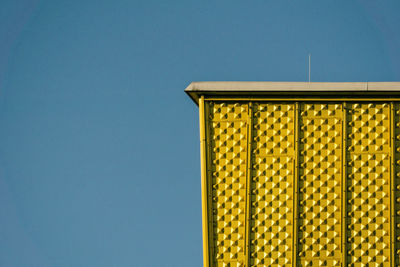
point(309, 67)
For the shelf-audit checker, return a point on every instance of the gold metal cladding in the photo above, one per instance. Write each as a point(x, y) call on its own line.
point(204, 157)
point(248, 183)
point(296, 184)
point(204, 193)
point(395, 183)
point(300, 183)
point(391, 183)
point(369, 198)
point(320, 185)
point(344, 184)
point(229, 160)
point(272, 184)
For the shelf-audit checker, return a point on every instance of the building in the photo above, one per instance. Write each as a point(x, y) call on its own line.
point(299, 174)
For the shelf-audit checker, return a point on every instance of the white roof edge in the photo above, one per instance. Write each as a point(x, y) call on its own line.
point(291, 86)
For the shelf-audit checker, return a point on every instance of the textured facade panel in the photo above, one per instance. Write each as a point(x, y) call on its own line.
point(320, 185)
point(369, 184)
point(229, 153)
point(302, 183)
point(369, 128)
point(272, 185)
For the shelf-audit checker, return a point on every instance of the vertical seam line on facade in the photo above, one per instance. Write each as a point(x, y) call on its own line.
point(344, 184)
point(295, 183)
point(204, 183)
point(248, 184)
point(209, 180)
point(391, 184)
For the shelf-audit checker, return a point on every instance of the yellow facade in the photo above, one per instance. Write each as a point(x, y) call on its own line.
point(300, 182)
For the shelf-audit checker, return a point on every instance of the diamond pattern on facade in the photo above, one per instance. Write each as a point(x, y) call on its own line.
point(320, 185)
point(272, 185)
point(259, 153)
point(369, 185)
point(229, 155)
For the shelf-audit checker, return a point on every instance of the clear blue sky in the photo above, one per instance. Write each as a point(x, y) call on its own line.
point(99, 145)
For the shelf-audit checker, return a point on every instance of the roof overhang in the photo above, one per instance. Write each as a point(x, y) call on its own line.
point(293, 89)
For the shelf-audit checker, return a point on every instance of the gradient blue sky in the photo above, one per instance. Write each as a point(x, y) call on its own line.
point(99, 145)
